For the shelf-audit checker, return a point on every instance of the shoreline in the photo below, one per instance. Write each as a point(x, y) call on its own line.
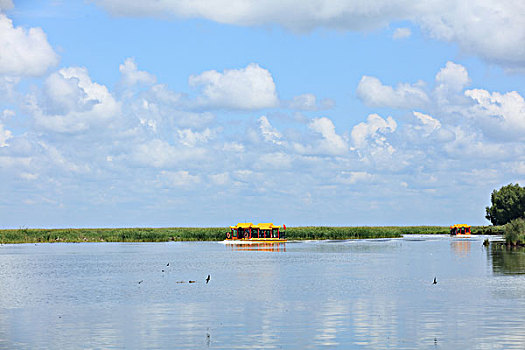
point(167, 234)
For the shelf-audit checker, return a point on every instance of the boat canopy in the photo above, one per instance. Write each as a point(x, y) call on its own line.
point(266, 226)
point(243, 225)
point(460, 226)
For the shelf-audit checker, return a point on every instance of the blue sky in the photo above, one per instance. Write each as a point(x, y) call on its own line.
point(125, 113)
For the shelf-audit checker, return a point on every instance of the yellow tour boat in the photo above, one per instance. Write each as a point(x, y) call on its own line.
point(248, 232)
point(460, 230)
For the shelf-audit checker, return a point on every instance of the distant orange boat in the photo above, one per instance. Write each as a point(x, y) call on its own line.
point(248, 232)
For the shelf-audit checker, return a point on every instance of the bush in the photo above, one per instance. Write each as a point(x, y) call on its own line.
point(515, 232)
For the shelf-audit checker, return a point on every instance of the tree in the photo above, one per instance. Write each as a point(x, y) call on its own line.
point(508, 203)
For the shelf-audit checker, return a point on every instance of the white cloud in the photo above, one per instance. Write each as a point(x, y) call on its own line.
point(73, 102)
point(372, 132)
point(330, 143)
point(276, 160)
point(219, 179)
point(245, 89)
point(500, 114)
point(352, 177)
point(308, 102)
point(158, 153)
point(132, 76)
point(233, 147)
point(180, 178)
point(24, 52)
point(191, 138)
point(491, 29)
point(269, 133)
point(4, 136)
point(7, 114)
point(451, 80)
point(428, 124)
point(7, 88)
point(402, 33)
point(373, 93)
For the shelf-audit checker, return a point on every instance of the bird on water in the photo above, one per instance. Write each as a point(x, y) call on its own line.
point(207, 279)
point(435, 282)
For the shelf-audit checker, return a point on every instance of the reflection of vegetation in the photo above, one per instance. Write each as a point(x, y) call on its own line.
point(507, 260)
point(515, 232)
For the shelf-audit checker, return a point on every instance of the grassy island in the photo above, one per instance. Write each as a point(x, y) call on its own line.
point(216, 233)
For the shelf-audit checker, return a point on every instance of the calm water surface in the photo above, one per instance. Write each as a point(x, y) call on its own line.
point(362, 294)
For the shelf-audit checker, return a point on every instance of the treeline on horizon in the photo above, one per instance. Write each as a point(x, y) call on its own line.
point(25, 235)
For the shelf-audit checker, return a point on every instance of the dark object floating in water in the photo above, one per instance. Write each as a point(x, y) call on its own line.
point(435, 282)
point(207, 279)
point(162, 270)
point(486, 242)
point(168, 264)
point(191, 281)
point(141, 281)
point(180, 281)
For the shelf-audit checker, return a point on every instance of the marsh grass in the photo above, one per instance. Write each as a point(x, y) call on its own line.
point(25, 235)
point(113, 235)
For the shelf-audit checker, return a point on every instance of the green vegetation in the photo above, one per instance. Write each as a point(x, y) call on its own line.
point(113, 235)
point(330, 232)
point(515, 232)
point(508, 203)
point(217, 233)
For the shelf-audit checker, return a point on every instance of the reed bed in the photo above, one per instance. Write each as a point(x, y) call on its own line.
point(25, 235)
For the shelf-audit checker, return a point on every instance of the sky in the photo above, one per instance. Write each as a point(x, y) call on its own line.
point(197, 113)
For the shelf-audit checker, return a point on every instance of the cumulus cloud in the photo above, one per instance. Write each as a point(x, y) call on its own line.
point(428, 124)
point(132, 76)
point(191, 138)
point(451, 80)
point(24, 52)
point(73, 103)
point(268, 132)
point(501, 115)
point(245, 89)
point(330, 142)
point(372, 132)
point(491, 29)
point(373, 93)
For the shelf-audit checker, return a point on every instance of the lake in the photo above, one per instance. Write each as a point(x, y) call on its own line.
point(362, 294)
